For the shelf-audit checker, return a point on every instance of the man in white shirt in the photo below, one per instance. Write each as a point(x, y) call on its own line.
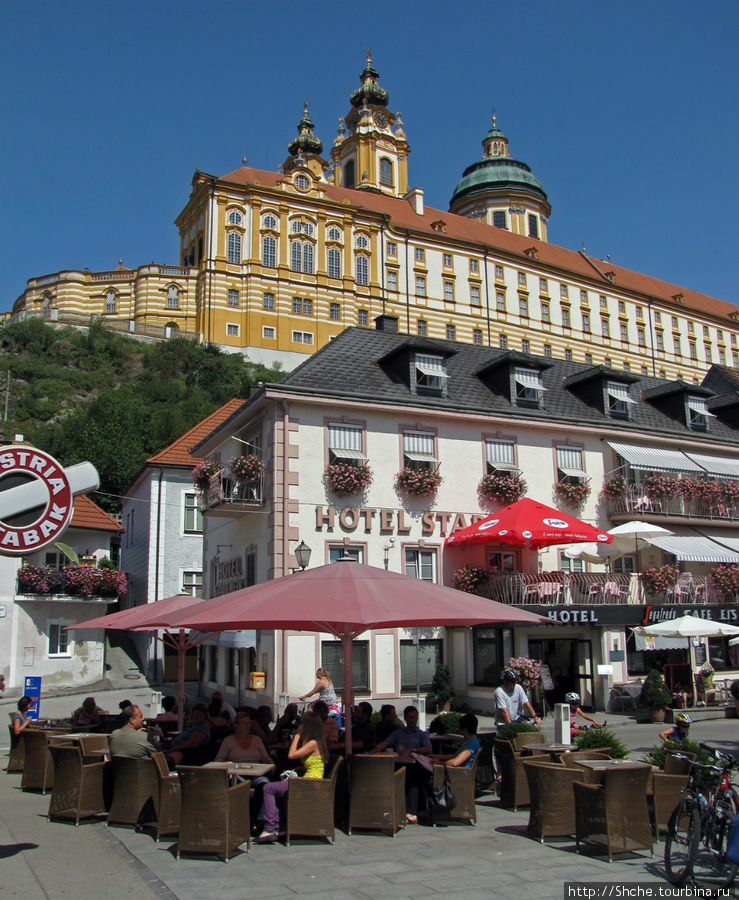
point(510, 701)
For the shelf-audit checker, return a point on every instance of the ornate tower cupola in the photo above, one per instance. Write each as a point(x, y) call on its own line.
point(502, 191)
point(305, 149)
point(370, 151)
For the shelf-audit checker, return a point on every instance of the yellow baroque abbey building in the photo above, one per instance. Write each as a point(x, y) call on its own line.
point(276, 264)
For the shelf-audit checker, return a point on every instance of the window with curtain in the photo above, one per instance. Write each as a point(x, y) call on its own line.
point(418, 449)
point(345, 443)
point(420, 563)
point(570, 464)
point(500, 456)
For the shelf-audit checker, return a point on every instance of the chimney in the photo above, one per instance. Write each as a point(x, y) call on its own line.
point(388, 324)
point(415, 198)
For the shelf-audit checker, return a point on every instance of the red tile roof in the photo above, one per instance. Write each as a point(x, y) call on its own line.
point(89, 515)
point(178, 452)
point(550, 256)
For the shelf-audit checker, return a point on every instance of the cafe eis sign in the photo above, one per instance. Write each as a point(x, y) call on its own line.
point(37, 497)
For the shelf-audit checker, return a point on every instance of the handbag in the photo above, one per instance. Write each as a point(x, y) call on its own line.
point(441, 799)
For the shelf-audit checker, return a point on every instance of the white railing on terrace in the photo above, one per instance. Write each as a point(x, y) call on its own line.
point(46, 279)
point(638, 502)
point(225, 489)
point(113, 276)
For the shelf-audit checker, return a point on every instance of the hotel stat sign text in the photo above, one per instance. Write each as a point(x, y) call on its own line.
point(391, 521)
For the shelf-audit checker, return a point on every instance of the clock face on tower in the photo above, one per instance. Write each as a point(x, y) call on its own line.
point(381, 120)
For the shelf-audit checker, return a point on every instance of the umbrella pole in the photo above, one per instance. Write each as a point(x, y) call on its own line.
point(347, 693)
point(180, 678)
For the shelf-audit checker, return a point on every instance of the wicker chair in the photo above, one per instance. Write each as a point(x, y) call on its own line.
point(615, 814)
point(526, 738)
point(310, 806)
point(17, 756)
point(678, 765)
point(666, 791)
point(514, 788)
point(485, 766)
point(78, 785)
point(377, 794)
point(215, 817)
point(38, 769)
point(571, 757)
point(463, 781)
point(135, 791)
point(170, 798)
point(93, 745)
point(551, 810)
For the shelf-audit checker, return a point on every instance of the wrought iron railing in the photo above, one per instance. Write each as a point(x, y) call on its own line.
point(223, 488)
point(636, 501)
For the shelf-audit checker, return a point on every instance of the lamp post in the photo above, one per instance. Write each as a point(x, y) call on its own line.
point(302, 555)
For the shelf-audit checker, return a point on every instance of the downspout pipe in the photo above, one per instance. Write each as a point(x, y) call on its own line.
point(157, 560)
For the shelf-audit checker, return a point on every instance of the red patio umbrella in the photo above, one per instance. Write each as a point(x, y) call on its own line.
point(151, 617)
point(345, 599)
point(528, 523)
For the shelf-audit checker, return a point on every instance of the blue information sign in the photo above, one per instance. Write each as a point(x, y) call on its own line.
point(32, 689)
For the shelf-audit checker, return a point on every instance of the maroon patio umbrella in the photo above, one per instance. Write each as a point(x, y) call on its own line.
point(152, 617)
point(345, 599)
point(528, 523)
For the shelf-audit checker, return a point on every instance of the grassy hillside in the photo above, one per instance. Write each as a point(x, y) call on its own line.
point(105, 397)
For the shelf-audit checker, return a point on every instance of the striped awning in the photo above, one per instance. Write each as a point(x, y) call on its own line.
point(694, 548)
point(345, 453)
point(716, 465)
point(655, 459)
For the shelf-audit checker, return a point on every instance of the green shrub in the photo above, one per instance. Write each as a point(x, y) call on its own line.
point(446, 723)
point(654, 693)
point(442, 685)
point(376, 718)
point(508, 732)
point(735, 689)
point(656, 756)
point(596, 738)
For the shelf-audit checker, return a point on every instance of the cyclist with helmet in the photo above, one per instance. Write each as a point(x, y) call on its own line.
point(680, 731)
point(575, 710)
point(510, 702)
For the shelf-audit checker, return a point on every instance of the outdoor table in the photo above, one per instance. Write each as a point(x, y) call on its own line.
point(72, 736)
point(445, 743)
point(554, 750)
point(244, 770)
point(597, 766)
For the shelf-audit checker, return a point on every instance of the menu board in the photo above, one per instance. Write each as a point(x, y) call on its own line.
point(546, 678)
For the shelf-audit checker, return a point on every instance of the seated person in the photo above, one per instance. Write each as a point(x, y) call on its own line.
point(308, 745)
point(244, 747)
point(88, 713)
point(510, 702)
point(169, 705)
point(131, 739)
point(330, 726)
point(403, 741)
point(388, 722)
point(363, 731)
point(261, 722)
point(21, 719)
point(681, 730)
point(470, 745)
point(227, 711)
point(216, 719)
point(574, 701)
point(190, 747)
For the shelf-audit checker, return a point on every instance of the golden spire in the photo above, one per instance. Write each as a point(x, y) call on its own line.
point(369, 57)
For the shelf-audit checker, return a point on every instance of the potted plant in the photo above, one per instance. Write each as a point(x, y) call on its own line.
point(573, 493)
point(469, 578)
point(595, 738)
point(203, 472)
point(446, 723)
point(346, 478)
point(442, 687)
point(418, 482)
point(502, 487)
point(735, 694)
point(527, 670)
point(724, 579)
point(659, 579)
point(660, 487)
point(246, 468)
point(655, 695)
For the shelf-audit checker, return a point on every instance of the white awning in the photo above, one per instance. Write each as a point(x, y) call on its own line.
point(654, 459)
point(433, 371)
point(419, 456)
point(345, 453)
point(695, 548)
point(504, 466)
point(698, 405)
point(529, 378)
point(658, 642)
point(716, 465)
point(572, 473)
point(730, 542)
point(619, 392)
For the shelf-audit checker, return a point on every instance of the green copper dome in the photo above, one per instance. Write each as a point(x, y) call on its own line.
point(306, 142)
point(499, 174)
point(370, 93)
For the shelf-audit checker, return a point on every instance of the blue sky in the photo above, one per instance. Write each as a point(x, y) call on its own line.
point(625, 111)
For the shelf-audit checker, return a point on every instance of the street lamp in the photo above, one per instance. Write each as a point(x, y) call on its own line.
point(302, 555)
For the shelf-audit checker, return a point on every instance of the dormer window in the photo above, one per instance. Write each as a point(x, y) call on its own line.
point(430, 371)
point(529, 389)
point(345, 443)
point(418, 451)
point(618, 399)
point(698, 414)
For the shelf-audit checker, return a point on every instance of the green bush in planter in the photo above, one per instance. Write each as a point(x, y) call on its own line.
point(442, 686)
point(654, 693)
point(446, 723)
point(735, 689)
point(597, 738)
point(376, 718)
point(656, 756)
point(509, 732)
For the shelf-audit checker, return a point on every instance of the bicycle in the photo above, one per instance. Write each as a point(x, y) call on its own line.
point(707, 807)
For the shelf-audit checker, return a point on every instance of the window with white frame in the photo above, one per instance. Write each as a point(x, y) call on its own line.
point(548, 351)
point(302, 182)
point(500, 456)
point(451, 333)
point(529, 388)
point(232, 329)
point(500, 301)
point(386, 171)
point(334, 311)
point(420, 286)
point(474, 295)
point(58, 640)
point(302, 337)
point(503, 342)
point(334, 262)
point(605, 327)
point(420, 254)
point(570, 565)
point(173, 297)
point(269, 222)
point(526, 345)
point(447, 260)
point(192, 583)
point(570, 464)
point(269, 301)
point(269, 332)
point(345, 443)
point(193, 523)
point(233, 247)
point(420, 563)
point(392, 248)
point(233, 297)
point(474, 265)
point(301, 257)
point(332, 661)
point(565, 317)
point(110, 301)
point(698, 414)
point(362, 241)
point(477, 336)
point(418, 662)
point(362, 318)
point(499, 218)
point(422, 327)
point(449, 292)
point(430, 371)
point(392, 280)
point(345, 551)
point(234, 217)
point(618, 399)
point(269, 251)
point(334, 234)
point(418, 450)
point(362, 270)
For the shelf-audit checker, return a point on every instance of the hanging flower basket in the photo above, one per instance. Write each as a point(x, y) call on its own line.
point(724, 579)
point(80, 581)
point(614, 488)
point(345, 478)
point(661, 487)
point(246, 468)
point(39, 580)
point(469, 578)
point(502, 487)
point(574, 494)
point(659, 579)
point(527, 670)
point(418, 482)
point(203, 472)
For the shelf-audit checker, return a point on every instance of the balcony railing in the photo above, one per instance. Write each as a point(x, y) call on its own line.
point(224, 491)
point(523, 588)
point(637, 502)
point(78, 582)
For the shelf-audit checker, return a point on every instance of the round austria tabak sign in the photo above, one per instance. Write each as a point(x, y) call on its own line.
point(36, 500)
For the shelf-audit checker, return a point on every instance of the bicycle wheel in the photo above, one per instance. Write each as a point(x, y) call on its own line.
point(681, 843)
point(725, 812)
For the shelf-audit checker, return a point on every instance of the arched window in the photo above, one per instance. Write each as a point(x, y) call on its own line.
point(362, 270)
point(334, 263)
point(386, 171)
point(301, 257)
point(334, 234)
point(302, 182)
point(270, 222)
point(362, 242)
point(349, 176)
point(110, 301)
point(308, 258)
point(234, 247)
point(173, 297)
point(47, 302)
point(296, 227)
point(234, 217)
point(269, 251)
